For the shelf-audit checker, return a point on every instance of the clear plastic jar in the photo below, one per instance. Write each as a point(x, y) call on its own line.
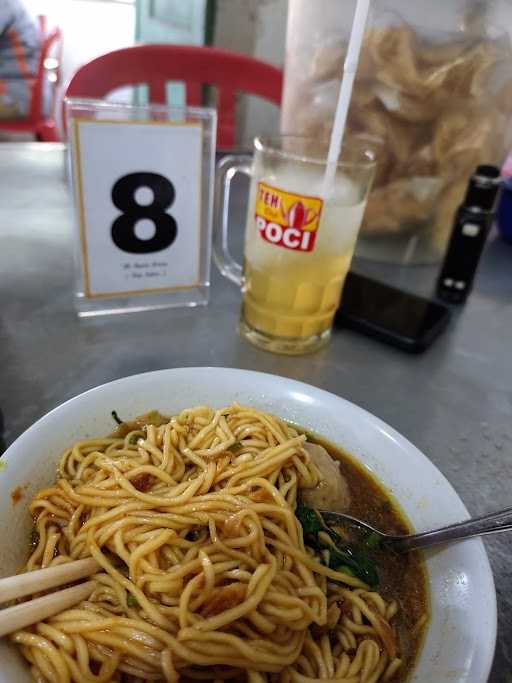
point(434, 82)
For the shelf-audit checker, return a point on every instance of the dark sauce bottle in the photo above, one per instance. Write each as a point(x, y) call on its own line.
point(473, 222)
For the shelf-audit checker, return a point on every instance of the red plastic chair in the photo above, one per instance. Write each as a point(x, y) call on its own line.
point(154, 65)
point(43, 127)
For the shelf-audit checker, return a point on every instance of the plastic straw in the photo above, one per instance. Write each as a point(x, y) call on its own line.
point(347, 82)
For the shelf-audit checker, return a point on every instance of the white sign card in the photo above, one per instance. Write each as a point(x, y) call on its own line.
point(139, 189)
point(140, 194)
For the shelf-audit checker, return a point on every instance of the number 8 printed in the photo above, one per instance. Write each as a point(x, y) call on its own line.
point(123, 228)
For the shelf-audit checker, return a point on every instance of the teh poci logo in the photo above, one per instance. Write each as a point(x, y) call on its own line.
point(287, 220)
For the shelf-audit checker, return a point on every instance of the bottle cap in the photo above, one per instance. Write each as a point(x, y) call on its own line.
point(483, 188)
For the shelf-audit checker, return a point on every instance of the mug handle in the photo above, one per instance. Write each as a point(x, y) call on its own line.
point(227, 168)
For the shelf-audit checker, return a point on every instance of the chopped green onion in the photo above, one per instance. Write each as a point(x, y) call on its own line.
point(133, 439)
point(131, 601)
point(234, 448)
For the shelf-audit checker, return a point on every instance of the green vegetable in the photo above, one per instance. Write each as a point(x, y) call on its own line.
point(345, 569)
point(133, 439)
point(234, 448)
point(321, 538)
point(116, 417)
point(309, 520)
point(372, 540)
point(362, 566)
point(131, 601)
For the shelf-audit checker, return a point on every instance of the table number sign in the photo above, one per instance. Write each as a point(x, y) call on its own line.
point(143, 188)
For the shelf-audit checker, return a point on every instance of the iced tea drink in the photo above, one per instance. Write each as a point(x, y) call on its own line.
point(298, 243)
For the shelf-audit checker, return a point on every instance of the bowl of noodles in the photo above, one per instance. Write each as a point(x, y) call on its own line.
point(195, 491)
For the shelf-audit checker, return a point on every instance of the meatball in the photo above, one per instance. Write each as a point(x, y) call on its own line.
point(332, 492)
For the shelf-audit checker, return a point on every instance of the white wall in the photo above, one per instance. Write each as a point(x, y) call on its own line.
point(256, 28)
point(90, 28)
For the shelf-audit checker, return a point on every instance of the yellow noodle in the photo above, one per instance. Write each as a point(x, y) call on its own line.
point(202, 562)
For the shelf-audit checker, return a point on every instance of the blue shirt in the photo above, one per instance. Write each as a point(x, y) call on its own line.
point(20, 43)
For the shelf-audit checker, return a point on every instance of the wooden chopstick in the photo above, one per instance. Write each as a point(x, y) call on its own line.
point(19, 616)
point(41, 579)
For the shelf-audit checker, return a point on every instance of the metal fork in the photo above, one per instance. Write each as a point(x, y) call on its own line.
point(492, 523)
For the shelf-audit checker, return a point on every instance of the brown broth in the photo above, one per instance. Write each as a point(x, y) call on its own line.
point(402, 577)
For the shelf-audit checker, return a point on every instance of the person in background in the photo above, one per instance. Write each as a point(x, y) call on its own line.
point(20, 43)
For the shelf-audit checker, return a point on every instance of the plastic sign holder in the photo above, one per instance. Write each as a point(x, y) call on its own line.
point(143, 180)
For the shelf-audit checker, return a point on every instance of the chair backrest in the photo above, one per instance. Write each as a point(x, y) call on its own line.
point(51, 46)
point(154, 65)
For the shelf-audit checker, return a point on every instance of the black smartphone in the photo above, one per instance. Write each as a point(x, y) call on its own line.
point(398, 318)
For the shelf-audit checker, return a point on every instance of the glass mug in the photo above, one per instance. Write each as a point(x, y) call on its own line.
point(298, 246)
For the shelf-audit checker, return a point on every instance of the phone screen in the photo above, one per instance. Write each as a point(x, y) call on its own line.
point(388, 309)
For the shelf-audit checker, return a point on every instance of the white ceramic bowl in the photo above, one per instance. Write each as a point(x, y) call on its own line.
point(461, 638)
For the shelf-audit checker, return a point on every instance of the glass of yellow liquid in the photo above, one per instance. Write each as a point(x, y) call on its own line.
point(298, 243)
